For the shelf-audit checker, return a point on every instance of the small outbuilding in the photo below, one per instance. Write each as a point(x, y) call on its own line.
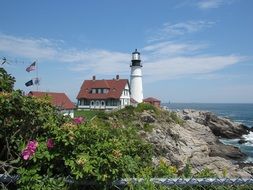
point(153, 101)
point(59, 100)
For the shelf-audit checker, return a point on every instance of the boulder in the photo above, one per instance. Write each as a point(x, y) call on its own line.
point(220, 126)
point(147, 118)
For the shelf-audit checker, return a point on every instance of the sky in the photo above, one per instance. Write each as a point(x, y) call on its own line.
point(191, 50)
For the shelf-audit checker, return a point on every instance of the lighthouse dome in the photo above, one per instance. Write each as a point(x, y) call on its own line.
point(136, 59)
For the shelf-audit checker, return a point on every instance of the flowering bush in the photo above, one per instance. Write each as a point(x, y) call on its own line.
point(78, 120)
point(50, 143)
point(30, 149)
point(45, 148)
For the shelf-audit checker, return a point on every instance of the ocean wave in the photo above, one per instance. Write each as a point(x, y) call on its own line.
point(230, 141)
point(249, 137)
point(249, 160)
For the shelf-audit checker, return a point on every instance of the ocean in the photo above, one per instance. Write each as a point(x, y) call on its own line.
point(242, 113)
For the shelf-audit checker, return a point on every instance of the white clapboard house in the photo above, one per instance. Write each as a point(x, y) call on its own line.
point(104, 94)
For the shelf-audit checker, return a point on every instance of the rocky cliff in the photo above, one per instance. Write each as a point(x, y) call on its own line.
point(192, 137)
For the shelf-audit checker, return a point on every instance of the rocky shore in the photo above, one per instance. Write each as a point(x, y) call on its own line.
point(195, 141)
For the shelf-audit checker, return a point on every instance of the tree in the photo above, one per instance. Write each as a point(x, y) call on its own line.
point(6, 81)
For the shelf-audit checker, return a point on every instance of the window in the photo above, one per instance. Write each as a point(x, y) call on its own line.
point(93, 91)
point(92, 103)
point(105, 90)
point(85, 102)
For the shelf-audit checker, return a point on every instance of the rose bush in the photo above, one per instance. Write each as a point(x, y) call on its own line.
point(45, 148)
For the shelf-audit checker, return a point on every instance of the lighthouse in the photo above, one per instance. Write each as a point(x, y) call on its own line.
point(136, 77)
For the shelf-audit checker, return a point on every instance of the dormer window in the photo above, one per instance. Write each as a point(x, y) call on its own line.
point(105, 90)
point(99, 90)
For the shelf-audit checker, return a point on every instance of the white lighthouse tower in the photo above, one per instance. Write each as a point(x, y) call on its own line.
point(136, 77)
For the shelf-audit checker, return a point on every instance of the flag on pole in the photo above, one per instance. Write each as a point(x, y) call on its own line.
point(36, 81)
point(31, 67)
point(29, 83)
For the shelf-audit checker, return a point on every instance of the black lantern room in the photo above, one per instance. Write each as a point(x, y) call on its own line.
point(136, 59)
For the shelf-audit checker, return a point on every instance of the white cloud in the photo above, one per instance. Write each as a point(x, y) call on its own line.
point(102, 61)
point(170, 48)
point(203, 4)
point(165, 59)
point(170, 30)
point(184, 66)
point(95, 60)
point(162, 61)
point(210, 4)
point(29, 48)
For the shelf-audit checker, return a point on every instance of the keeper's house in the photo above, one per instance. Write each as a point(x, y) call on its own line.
point(104, 94)
point(59, 100)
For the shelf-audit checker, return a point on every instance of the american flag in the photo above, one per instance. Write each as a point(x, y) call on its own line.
point(31, 67)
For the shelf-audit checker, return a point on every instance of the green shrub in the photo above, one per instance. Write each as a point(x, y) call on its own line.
point(93, 151)
point(206, 172)
point(87, 114)
point(145, 106)
point(187, 171)
point(163, 170)
point(148, 127)
point(6, 81)
point(172, 117)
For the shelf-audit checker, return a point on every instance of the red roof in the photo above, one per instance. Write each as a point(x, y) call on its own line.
point(57, 99)
point(133, 101)
point(114, 86)
point(151, 99)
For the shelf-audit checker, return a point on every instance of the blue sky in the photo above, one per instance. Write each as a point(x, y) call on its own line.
point(191, 50)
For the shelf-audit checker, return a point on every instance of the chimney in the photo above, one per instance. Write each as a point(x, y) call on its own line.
point(117, 77)
point(93, 77)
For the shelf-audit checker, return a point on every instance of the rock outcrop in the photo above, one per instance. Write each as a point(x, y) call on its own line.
point(196, 141)
point(221, 127)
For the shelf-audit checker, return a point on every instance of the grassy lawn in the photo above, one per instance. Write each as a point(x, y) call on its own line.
point(87, 114)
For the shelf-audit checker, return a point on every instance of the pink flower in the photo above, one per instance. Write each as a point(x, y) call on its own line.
point(30, 149)
point(78, 120)
point(50, 143)
point(26, 154)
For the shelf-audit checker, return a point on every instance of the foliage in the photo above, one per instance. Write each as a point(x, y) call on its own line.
point(164, 170)
point(187, 170)
point(45, 148)
point(205, 173)
point(87, 114)
point(148, 127)
point(146, 106)
point(172, 117)
point(21, 119)
point(6, 81)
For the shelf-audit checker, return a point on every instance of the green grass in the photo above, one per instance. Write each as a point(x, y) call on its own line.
point(87, 114)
